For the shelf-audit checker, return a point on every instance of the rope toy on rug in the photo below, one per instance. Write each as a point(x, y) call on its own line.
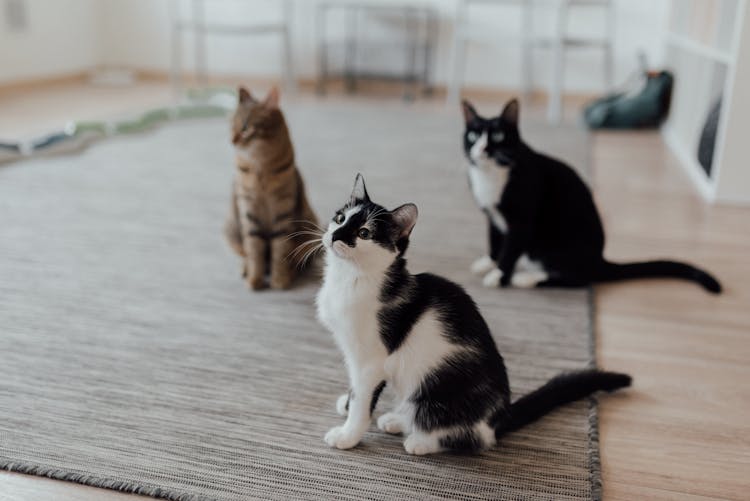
point(78, 135)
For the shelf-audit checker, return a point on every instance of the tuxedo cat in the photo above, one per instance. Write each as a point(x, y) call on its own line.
point(423, 336)
point(544, 229)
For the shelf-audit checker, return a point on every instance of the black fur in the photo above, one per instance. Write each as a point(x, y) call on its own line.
point(375, 396)
point(462, 441)
point(471, 385)
point(381, 225)
point(463, 390)
point(558, 391)
point(552, 216)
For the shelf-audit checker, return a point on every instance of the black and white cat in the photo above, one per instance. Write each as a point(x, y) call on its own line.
point(544, 229)
point(424, 337)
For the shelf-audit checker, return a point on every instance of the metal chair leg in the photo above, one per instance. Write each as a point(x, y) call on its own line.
point(350, 72)
point(175, 74)
point(410, 74)
point(609, 79)
point(199, 26)
point(554, 108)
point(431, 36)
point(290, 79)
point(320, 15)
point(527, 58)
point(459, 54)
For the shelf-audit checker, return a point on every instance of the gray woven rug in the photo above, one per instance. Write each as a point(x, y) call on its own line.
point(134, 358)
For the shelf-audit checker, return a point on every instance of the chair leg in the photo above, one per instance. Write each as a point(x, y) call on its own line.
point(527, 59)
point(289, 75)
point(199, 25)
point(554, 108)
point(609, 79)
point(410, 73)
point(459, 54)
point(321, 12)
point(175, 74)
point(350, 58)
point(430, 39)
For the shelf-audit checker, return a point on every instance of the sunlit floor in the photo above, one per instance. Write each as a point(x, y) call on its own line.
point(683, 431)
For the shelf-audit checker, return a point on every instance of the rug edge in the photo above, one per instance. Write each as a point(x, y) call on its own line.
point(595, 465)
point(125, 487)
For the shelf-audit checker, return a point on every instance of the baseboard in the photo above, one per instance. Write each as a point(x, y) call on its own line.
point(78, 77)
point(335, 85)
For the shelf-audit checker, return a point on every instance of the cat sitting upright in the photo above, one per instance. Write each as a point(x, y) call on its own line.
point(269, 213)
point(423, 336)
point(544, 229)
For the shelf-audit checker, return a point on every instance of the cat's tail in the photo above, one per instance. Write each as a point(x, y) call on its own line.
point(558, 391)
point(655, 269)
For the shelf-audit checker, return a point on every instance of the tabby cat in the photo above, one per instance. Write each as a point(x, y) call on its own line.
point(544, 229)
point(269, 213)
point(423, 336)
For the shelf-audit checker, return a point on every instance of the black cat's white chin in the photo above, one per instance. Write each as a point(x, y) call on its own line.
point(340, 249)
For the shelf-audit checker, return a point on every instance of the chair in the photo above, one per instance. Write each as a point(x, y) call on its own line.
point(559, 42)
point(197, 23)
point(420, 25)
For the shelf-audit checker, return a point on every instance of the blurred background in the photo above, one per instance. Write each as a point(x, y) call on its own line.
point(555, 53)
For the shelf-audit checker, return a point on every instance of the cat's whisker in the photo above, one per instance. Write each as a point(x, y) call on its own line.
point(303, 247)
point(310, 223)
point(303, 232)
point(310, 253)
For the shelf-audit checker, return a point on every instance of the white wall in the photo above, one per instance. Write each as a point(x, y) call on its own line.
point(61, 38)
point(135, 33)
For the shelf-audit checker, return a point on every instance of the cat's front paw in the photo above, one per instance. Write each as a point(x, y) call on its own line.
point(482, 265)
point(281, 277)
point(342, 404)
point(256, 283)
point(341, 438)
point(528, 279)
point(391, 422)
point(420, 444)
point(493, 278)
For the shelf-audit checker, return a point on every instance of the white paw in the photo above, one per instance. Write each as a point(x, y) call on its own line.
point(482, 265)
point(391, 423)
point(492, 279)
point(341, 404)
point(341, 438)
point(527, 279)
point(420, 444)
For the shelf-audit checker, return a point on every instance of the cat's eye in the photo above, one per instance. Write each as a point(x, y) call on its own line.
point(497, 137)
point(364, 234)
point(339, 218)
point(472, 136)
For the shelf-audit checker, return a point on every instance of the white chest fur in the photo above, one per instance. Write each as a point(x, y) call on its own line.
point(487, 184)
point(347, 306)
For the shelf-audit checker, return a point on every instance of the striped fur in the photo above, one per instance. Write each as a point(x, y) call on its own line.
point(270, 217)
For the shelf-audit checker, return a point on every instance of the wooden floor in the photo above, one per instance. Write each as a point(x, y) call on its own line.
point(683, 431)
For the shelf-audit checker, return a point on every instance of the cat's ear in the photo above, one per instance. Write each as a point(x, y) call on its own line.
point(359, 192)
point(469, 112)
point(405, 217)
point(272, 99)
point(244, 95)
point(511, 111)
